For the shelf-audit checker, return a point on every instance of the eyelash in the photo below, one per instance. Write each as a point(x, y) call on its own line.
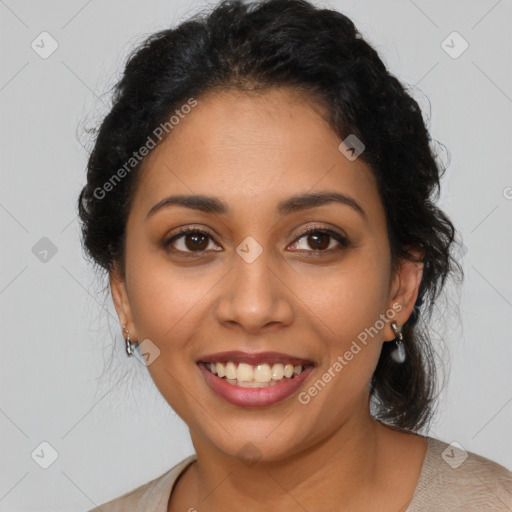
point(342, 240)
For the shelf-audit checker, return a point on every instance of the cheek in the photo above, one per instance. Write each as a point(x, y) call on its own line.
point(348, 305)
point(349, 297)
point(166, 301)
point(167, 307)
point(346, 308)
point(169, 301)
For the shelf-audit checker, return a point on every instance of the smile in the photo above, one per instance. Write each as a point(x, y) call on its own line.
point(254, 380)
point(253, 376)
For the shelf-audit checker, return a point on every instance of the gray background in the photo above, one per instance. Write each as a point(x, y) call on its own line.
point(114, 432)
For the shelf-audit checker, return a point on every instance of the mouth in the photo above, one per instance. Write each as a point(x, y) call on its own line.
point(254, 376)
point(254, 379)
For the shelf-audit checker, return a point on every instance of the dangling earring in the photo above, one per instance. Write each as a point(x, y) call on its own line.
point(398, 354)
point(129, 349)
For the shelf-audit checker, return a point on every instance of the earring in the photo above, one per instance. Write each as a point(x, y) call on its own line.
point(398, 355)
point(129, 349)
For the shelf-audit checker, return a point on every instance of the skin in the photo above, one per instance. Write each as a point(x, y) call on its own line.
point(253, 151)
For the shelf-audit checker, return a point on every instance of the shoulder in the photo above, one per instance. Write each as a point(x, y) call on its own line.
point(153, 496)
point(454, 479)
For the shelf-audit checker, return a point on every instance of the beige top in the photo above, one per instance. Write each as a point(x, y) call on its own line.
point(450, 480)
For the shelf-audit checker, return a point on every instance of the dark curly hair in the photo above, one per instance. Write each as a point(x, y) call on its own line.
point(289, 43)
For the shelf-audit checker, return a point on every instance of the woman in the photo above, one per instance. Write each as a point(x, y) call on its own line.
point(261, 196)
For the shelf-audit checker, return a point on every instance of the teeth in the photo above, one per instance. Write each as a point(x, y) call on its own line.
point(260, 375)
point(221, 370)
point(277, 371)
point(231, 371)
point(244, 372)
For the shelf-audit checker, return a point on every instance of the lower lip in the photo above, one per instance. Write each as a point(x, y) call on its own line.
point(254, 397)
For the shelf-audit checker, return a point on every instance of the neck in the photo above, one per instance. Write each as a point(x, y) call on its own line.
point(341, 467)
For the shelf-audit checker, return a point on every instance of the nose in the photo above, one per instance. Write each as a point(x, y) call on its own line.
point(255, 297)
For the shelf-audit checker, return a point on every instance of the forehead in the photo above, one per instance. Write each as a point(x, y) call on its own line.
point(252, 149)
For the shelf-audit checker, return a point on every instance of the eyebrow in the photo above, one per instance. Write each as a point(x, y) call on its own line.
point(210, 204)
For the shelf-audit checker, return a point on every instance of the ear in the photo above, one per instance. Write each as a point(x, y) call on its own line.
point(404, 291)
point(121, 300)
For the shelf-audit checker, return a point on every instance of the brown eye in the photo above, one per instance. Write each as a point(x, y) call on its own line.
point(196, 241)
point(189, 240)
point(321, 241)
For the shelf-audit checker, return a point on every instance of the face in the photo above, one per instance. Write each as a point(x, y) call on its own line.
point(249, 279)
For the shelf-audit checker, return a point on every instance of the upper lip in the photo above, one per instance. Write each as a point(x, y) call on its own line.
point(252, 358)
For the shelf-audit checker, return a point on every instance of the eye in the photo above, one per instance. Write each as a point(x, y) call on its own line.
point(320, 240)
point(189, 240)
